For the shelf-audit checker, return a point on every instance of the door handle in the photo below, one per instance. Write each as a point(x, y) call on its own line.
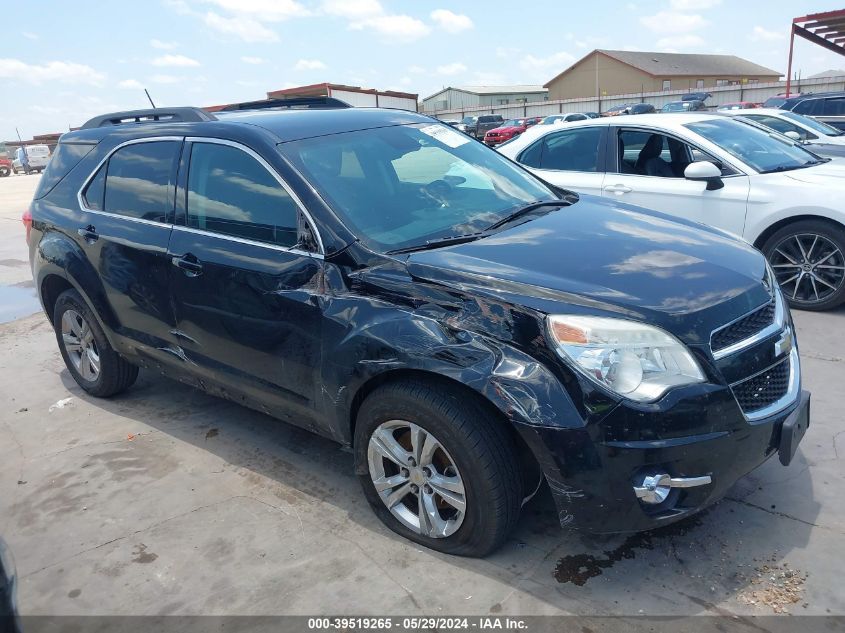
point(88, 233)
point(618, 189)
point(190, 264)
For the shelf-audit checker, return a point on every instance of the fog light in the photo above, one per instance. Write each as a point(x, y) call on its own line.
point(654, 489)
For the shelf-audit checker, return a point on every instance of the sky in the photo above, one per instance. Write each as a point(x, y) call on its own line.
point(64, 62)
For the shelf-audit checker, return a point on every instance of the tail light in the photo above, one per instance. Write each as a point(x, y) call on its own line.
point(26, 218)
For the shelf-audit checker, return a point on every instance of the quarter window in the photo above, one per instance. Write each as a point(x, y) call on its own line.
point(137, 181)
point(230, 192)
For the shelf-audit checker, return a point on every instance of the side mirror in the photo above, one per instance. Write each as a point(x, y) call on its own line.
point(795, 136)
point(706, 171)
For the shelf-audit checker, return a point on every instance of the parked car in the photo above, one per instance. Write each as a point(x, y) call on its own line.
point(641, 108)
point(739, 105)
point(593, 115)
point(564, 118)
point(378, 278)
point(777, 100)
point(717, 170)
point(696, 96)
point(506, 131)
point(617, 110)
point(482, 124)
point(684, 106)
point(468, 125)
point(820, 138)
point(31, 159)
point(828, 107)
point(452, 123)
point(5, 166)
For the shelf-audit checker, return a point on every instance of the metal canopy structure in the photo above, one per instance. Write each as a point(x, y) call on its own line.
point(825, 29)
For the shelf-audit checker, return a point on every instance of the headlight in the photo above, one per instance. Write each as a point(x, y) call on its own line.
point(634, 360)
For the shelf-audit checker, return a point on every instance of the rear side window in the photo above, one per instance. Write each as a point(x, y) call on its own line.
point(833, 107)
point(137, 181)
point(230, 192)
point(65, 158)
point(570, 150)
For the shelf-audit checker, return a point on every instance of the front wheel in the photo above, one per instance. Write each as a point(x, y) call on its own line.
point(4, 171)
point(808, 258)
point(440, 469)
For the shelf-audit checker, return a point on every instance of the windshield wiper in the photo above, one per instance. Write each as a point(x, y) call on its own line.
point(528, 208)
point(440, 242)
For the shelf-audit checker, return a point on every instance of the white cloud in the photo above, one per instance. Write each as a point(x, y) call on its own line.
point(246, 59)
point(130, 84)
point(694, 5)
point(164, 46)
point(165, 79)
point(557, 62)
point(270, 10)
point(672, 22)
point(417, 70)
point(245, 28)
point(406, 81)
point(451, 22)
point(759, 34)
point(29, 35)
point(65, 72)
point(353, 9)
point(400, 28)
point(178, 61)
point(309, 64)
point(455, 68)
point(673, 43)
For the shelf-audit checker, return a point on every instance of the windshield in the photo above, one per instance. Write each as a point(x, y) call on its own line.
point(468, 119)
point(402, 186)
point(763, 150)
point(512, 123)
point(550, 119)
point(677, 106)
point(774, 102)
point(813, 124)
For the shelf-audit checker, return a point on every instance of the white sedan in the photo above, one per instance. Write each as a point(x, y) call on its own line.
point(716, 170)
point(798, 127)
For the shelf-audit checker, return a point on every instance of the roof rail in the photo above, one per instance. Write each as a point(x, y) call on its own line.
point(294, 103)
point(150, 115)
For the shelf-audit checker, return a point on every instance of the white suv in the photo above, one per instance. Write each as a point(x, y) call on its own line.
point(716, 170)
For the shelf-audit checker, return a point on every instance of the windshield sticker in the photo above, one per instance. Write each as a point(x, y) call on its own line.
point(445, 135)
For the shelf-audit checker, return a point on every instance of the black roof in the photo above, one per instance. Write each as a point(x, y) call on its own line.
point(284, 125)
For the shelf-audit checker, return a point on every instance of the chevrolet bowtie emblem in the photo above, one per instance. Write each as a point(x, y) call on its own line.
point(784, 344)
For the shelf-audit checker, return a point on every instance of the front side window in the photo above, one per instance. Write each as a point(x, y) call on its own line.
point(137, 181)
point(833, 107)
point(764, 151)
point(813, 124)
point(424, 182)
point(231, 193)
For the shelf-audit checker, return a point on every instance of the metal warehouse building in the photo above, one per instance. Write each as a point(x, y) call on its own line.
point(480, 96)
point(353, 95)
point(607, 72)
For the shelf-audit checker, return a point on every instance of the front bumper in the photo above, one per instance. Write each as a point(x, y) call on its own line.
point(592, 479)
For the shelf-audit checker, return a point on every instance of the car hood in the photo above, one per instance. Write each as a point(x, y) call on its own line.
point(599, 256)
point(509, 128)
point(827, 174)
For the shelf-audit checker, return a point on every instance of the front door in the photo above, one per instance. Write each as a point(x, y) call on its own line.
point(572, 159)
point(245, 288)
point(649, 172)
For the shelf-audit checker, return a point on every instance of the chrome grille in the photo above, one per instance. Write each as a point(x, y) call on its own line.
point(763, 389)
point(743, 328)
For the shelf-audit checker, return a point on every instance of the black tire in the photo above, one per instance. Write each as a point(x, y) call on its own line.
point(478, 443)
point(784, 246)
point(115, 374)
point(4, 171)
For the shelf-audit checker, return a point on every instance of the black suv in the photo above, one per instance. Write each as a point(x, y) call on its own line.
point(828, 107)
point(383, 280)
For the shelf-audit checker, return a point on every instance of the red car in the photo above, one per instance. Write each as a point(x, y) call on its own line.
point(5, 166)
point(509, 129)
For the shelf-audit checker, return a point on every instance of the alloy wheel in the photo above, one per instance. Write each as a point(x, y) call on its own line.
point(416, 478)
point(809, 267)
point(79, 343)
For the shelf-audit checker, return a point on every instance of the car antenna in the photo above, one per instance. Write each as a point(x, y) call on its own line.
point(146, 92)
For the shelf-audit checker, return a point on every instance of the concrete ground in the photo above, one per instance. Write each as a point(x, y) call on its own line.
point(165, 500)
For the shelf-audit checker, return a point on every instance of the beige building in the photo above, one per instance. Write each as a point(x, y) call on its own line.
point(606, 72)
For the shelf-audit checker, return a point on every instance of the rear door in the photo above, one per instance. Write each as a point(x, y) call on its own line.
point(659, 183)
point(128, 206)
point(572, 158)
point(246, 279)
